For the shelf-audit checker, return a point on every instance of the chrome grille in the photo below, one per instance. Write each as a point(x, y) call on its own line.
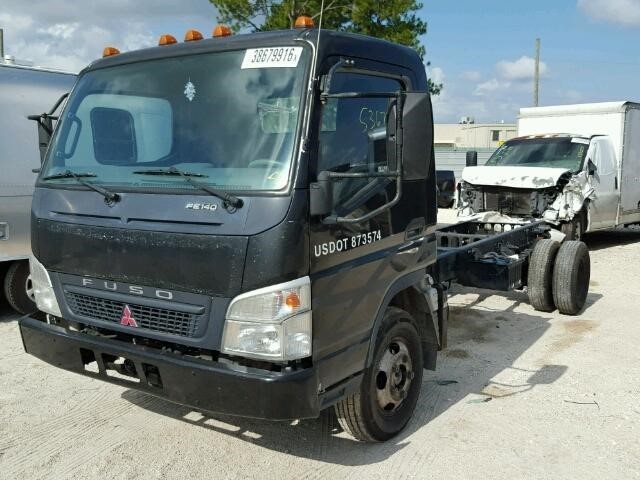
point(155, 319)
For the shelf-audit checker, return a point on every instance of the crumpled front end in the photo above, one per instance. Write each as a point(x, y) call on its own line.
point(555, 204)
point(570, 200)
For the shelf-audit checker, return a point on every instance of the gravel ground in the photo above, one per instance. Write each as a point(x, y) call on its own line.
point(518, 394)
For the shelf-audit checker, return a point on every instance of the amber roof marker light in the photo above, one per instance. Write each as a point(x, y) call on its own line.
point(222, 31)
point(192, 36)
point(304, 22)
point(167, 39)
point(110, 52)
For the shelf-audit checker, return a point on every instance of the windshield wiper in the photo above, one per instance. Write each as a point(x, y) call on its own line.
point(168, 172)
point(228, 199)
point(109, 197)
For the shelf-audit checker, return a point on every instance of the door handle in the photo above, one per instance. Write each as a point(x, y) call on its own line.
point(616, 182)
point(411, 247)
point(414, 229)
point(414, 232)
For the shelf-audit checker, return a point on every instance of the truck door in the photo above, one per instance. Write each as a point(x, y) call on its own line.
point(353, 265)
point(604, 206)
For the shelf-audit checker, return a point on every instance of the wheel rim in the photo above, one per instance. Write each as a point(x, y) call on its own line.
point(394, 374)
point(28, 288)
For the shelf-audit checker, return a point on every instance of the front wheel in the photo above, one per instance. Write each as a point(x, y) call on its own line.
point(390, 386)
point(574, 230)
point(18, 288)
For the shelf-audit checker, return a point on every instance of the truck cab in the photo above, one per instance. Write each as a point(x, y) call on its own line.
point(245, 224)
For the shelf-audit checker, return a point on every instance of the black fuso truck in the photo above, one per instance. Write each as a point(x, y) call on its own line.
point(246, 225)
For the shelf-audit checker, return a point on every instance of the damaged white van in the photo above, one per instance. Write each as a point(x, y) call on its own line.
point(575, 166)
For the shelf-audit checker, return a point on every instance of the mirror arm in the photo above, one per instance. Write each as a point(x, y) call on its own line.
point(41, 118)
point(326, 84)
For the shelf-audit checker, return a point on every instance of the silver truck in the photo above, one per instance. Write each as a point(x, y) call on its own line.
point(24, 91)
point(574, 166)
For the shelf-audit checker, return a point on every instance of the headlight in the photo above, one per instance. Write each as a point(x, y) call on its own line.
point(272, 323)
point(42, 289)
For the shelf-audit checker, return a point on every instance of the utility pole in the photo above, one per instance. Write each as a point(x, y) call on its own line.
point(536, 79)
point(1, 46)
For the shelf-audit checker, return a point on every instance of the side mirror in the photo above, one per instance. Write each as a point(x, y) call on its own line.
point(591, 168)
point(321, 195)
point(417, 136)
point(45, 126)
point(45, 131)
point(472, 158)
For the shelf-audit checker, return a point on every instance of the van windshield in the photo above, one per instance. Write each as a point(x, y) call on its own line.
point(218, 117)
point(565, 152)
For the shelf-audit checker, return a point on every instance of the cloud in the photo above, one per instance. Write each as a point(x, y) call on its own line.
point(69, 34)
point(618, 12)
point(471, 75)
point(521, 69)
point(457, 99)
point(490, 86)
point(436, 74)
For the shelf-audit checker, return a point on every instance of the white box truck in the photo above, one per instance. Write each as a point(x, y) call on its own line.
point(575, 166)
point(24, 91)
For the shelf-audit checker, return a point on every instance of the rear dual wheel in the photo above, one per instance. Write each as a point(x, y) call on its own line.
point(571, 277)
point(391, 385)
point(559, 276)
point(540, 277)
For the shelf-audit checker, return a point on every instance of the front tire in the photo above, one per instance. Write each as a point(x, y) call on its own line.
point(18, 289)
point(391, 385)
point(574, 230)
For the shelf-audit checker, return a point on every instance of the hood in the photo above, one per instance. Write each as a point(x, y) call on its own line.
point(150, 240)
point(514, 177)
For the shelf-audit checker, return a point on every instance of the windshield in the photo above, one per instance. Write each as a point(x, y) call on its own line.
point(542, 152)
point(217, 116)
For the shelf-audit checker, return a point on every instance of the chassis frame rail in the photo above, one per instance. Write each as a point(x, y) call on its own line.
point(489, 255)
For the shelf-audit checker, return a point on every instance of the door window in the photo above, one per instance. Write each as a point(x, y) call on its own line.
point(605, 158)
point(353, 138)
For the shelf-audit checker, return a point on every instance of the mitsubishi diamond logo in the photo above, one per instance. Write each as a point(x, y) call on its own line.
point(127, 319)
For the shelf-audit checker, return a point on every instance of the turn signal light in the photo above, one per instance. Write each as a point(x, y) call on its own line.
point(192, 36)
point(110, 51)
point(167, 40)
point(304, 22)
point(292, 301)
point(222, 31)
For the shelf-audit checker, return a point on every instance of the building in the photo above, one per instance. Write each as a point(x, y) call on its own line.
point(473, 135)
point(453, 140)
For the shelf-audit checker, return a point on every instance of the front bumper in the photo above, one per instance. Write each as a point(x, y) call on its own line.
point(203, 385)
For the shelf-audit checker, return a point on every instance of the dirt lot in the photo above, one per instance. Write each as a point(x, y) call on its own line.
point(518, 394)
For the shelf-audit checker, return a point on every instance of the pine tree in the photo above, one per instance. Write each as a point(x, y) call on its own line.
point(393, 20)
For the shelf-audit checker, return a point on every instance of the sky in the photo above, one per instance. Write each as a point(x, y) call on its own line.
point(482, 51)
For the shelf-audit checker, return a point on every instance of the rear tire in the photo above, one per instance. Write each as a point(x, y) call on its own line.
point(391, 385)
point(571, 276)
point(17, 288)
point(540, 277)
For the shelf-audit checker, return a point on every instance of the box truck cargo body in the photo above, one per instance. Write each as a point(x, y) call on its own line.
point(576, 166)
point(23, 91)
